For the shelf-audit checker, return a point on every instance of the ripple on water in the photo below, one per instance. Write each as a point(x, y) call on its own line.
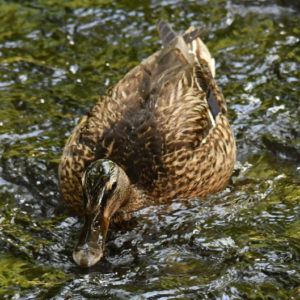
point(242, 243)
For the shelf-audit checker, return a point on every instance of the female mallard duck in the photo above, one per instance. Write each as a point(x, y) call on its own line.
point(160, 133)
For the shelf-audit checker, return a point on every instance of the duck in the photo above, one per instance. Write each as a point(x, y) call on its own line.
point(161, 133)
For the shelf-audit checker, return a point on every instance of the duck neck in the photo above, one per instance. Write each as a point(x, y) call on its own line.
point(137, 199)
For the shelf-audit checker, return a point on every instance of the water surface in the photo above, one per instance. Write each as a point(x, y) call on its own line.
point(56, 58)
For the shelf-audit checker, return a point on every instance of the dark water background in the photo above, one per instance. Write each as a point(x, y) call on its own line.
point(56, 57)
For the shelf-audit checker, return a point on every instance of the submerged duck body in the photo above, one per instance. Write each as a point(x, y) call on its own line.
point(160, 133)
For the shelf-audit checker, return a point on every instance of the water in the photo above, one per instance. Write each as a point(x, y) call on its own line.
point(244, 243)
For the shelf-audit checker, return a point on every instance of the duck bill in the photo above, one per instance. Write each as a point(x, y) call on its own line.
point(90, 247)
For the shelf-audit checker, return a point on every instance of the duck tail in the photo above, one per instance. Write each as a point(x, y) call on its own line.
point(167, 34)
point(193, 34)
point(172, 40)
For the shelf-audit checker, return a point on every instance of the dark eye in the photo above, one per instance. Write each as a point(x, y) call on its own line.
point(114, 185)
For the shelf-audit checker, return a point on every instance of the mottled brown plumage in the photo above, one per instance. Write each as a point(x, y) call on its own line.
point(164, 124)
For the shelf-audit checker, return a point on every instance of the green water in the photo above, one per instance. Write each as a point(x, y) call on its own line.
point(56, 58)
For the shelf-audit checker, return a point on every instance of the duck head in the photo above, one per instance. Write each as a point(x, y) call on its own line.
point(105, 188)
